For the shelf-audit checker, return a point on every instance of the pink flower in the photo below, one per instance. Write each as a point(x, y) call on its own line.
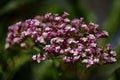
point(55, 35)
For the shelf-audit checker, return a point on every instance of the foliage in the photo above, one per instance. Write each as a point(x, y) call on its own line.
point(16, 64)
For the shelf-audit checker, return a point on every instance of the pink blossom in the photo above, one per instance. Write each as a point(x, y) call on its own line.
point(55, 35)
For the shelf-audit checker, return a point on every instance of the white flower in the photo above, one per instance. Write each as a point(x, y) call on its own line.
point(83, 55)
point(76, 57)
point(85, 61)
point(37, 23)
point(23, 45)
point(41, 39)
point(71, 40)
point(68, 27)
point(47, 29)
point(93, 44)
point(62, 25)
point(45, 34)
point(106, 33)
point(7, 45)
point(87, 50)
point(67, 20)
point(96, 60)
point(113, 59)
point(57, 18)
point(34, 57)
point(17, 39)
point(84, 39)
point(84, 25)
point(113, 53)
point(91, 36)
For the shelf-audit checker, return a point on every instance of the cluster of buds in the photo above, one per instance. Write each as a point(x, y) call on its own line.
point(74, 40)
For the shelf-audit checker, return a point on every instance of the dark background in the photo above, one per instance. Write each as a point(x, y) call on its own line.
point(17, 64)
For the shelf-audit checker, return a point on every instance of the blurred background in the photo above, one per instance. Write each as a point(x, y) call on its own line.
point(16, 64)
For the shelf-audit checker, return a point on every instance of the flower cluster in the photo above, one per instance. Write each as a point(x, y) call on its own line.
point(58, 35)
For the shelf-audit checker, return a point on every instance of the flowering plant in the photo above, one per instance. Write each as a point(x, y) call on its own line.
point(58, 36)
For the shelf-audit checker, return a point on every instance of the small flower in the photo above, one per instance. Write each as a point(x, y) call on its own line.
point(84, 27)
point(34, 57)
point(67, 50)
point(88, 62)
point(7, 45)
point(113, 53)
point(93, 44)
point(91, 37)
point(84, 39)
point(83, 54)
point(17, 39)
point(57, 49)
point(66, 20)
point(71, 40)
point(108, 46)
point(58, 35)
point(45, 35)
point(23, 45)
point(65, 15)
point(113, 59)
point(40, 39)
point(67, 59)
point(40, 57)
point(68, 27)
point(75, 22)
point(47, 15)
point(105, 33)
point(96, 60)
point(49, 48)
point(76, 58)
point(57, 19)
point(61, 51)
point(37, 23)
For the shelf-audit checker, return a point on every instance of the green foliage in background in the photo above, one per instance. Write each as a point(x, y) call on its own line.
point(16, 64)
